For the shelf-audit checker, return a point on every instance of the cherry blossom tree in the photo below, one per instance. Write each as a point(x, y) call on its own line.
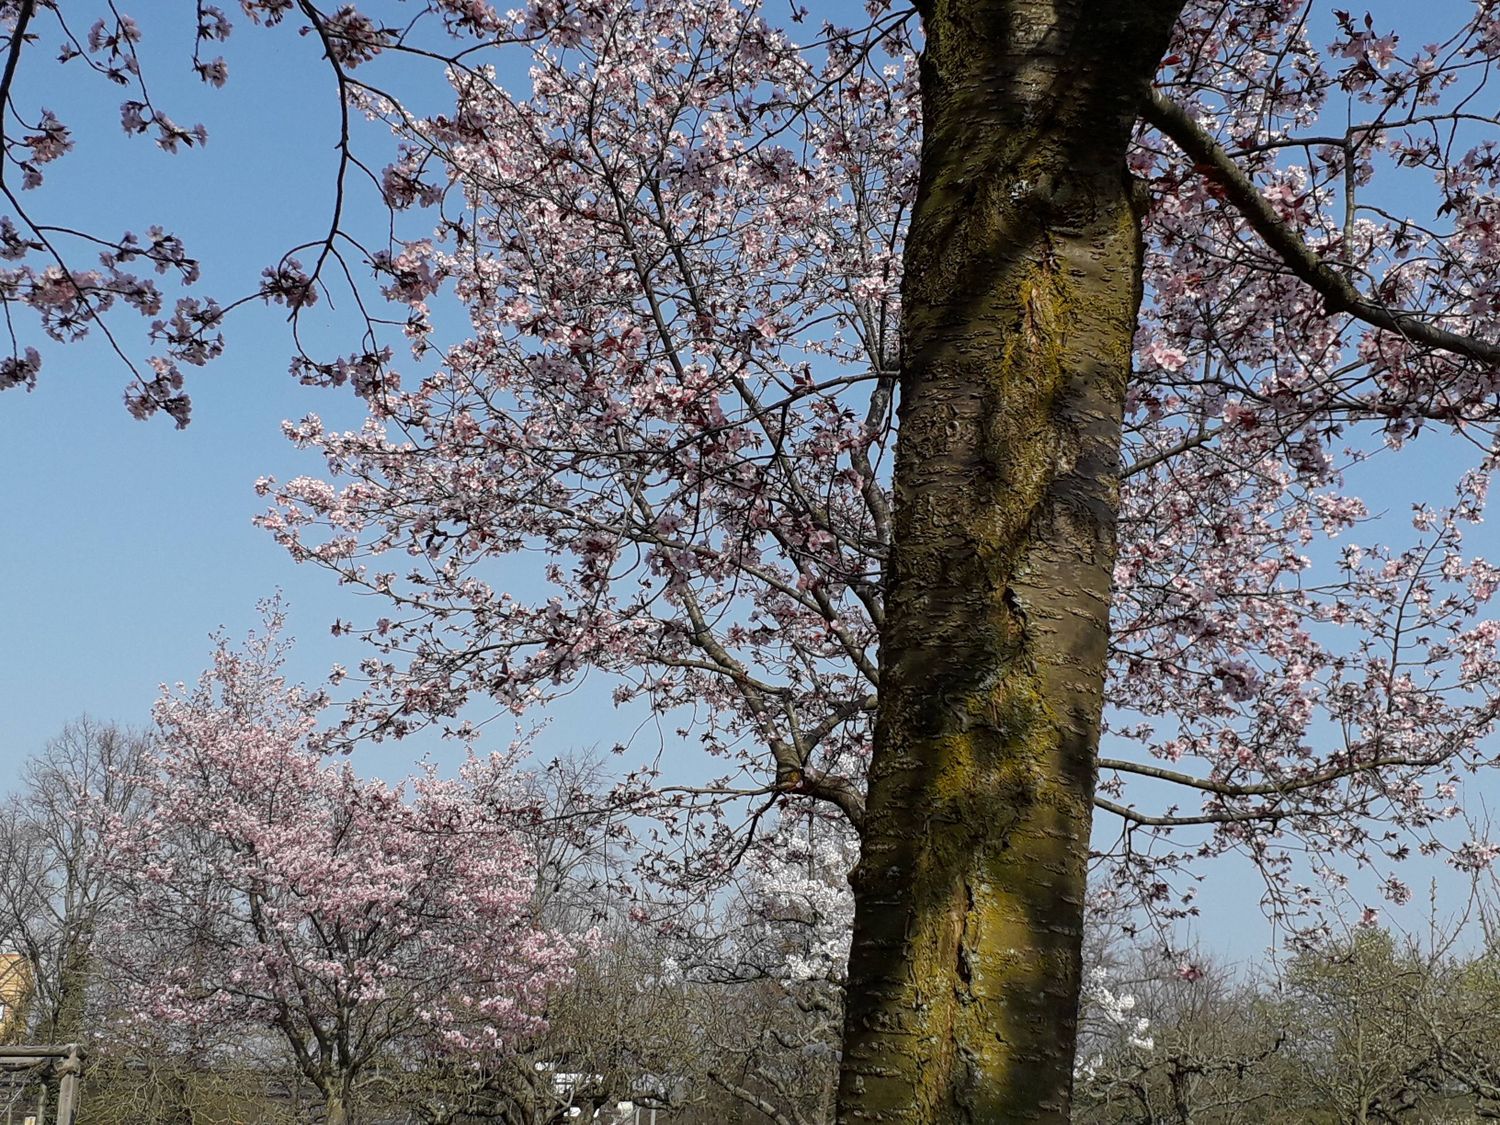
point(274, 890)
point(679, 389)
point(1152, 288)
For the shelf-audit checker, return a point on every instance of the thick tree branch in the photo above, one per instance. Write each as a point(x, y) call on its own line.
point(1269, 788)
point(1338, 292)
point(13, 56)
point(1147, 820)
point(750, 1098)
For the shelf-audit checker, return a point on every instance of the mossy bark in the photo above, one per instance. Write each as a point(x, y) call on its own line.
point(69, 1019)
point(1021, 292)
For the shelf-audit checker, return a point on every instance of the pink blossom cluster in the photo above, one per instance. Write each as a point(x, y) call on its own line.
point(271, 887)
point(51, 279)
point(681, 273)
point(1303, 698)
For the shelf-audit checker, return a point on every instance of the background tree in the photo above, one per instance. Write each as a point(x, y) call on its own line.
point(776, 974)
point(1353, 1018)
point(272, 889)
point(1371, 1026)
point(1206, 1053)
point(1462, 1028)
point(56, 889)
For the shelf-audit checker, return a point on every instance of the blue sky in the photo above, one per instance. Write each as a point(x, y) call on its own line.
point(123, 545)
point(126, 544)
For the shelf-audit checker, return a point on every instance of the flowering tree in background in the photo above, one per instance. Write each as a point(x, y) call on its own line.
point(273, 890)
point(705, 267)
point(799, 893)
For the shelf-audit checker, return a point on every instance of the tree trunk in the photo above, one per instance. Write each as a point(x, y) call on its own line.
point(68, 1019)
point(1023, 269)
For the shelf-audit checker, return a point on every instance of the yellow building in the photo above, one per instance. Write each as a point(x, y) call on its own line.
point(15, 992)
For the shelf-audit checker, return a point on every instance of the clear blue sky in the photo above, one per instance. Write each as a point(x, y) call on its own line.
point(123, 544)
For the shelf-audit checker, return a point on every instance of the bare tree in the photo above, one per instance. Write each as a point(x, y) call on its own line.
point(1196, 1049)
point(54, 889)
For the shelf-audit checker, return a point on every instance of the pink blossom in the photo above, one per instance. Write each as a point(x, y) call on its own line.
point(271, 887)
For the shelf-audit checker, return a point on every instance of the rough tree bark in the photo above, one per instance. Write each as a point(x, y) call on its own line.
point(1022, 285)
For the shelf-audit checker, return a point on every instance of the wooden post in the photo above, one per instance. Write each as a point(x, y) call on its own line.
point(65, 1063)
point(68, 1071)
